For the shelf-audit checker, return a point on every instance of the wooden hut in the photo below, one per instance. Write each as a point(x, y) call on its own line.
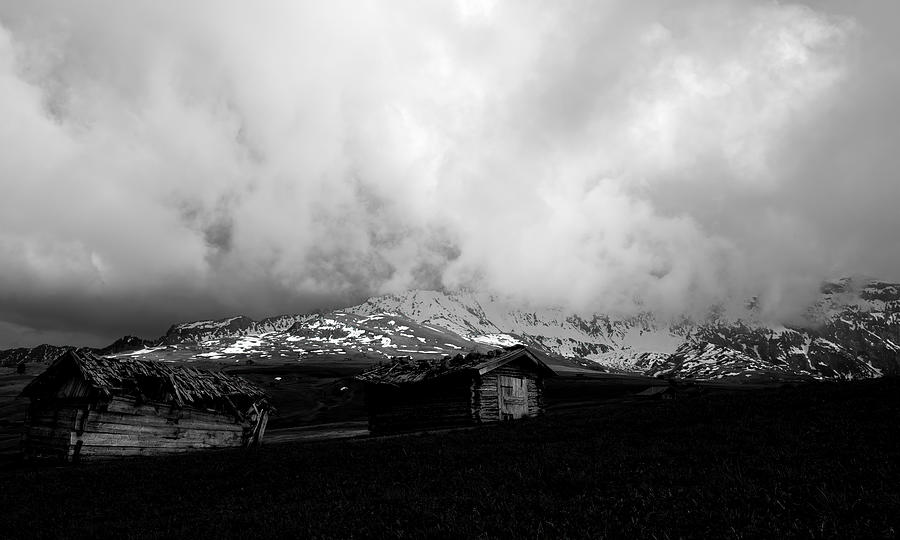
point(415, 395)
point(88, 407)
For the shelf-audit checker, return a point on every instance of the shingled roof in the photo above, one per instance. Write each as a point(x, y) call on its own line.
point(181, 385)
point(404, 370)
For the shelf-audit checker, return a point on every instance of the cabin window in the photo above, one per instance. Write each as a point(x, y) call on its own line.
point(513, 399)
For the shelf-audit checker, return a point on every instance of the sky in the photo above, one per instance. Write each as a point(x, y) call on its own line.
point(164, 162)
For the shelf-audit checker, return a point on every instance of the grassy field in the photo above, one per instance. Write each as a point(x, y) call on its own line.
point(818, 460)
point(309, 393)
point(12, 410)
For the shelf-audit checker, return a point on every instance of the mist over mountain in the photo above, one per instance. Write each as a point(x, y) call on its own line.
point(166, 162)
point(849, 332)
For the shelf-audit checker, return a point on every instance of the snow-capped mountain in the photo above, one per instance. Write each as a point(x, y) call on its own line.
point(303, 337)
point(853, 331)
point(231, 327)
point(488, 319)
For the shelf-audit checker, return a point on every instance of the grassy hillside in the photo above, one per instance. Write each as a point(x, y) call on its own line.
point(12, 410)
point(813, 461)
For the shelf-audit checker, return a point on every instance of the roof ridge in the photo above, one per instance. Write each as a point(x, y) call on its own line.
point(405, 370)
point(185, 385)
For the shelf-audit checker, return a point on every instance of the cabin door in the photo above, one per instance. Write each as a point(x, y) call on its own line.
point(513, 397)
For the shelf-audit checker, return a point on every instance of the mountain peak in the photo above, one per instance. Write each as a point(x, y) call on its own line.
point(855, 335)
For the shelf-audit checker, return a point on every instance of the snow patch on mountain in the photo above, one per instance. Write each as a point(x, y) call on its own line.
point(490, 319)
point(852, 330)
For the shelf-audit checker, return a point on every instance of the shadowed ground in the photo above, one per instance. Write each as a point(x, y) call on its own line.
point(818, 460)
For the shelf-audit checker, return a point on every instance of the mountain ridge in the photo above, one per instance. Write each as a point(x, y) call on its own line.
point(853, 331)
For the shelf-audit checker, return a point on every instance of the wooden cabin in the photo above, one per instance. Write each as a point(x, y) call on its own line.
point(87, 407)
point(414, 395)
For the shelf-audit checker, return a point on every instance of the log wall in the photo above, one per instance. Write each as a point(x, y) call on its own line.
point(447, 403)
point(485, 395)
point(48, 432)
point(82, 431)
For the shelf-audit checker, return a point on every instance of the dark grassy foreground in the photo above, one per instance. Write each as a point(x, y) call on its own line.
point(815, 461)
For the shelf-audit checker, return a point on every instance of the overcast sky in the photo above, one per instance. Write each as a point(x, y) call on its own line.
point(169, 161)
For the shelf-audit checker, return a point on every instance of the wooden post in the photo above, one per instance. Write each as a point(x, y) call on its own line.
point(262, 427)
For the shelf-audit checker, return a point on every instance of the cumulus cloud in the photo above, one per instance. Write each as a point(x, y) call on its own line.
point(165, 162)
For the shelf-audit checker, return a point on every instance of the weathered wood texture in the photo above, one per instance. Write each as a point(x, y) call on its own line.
point(84, 406)
point(486, 395)
point(455, 402)
point(513, 400)
point(83, 431)
point(48, 431)
point(74, 388)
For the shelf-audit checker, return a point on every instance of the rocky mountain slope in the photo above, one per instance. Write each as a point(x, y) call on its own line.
point(44, 354)
point(372, 337)
point(851, 331)
point(488, 319)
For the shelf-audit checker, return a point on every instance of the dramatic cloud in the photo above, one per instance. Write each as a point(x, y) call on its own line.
point(168, 161)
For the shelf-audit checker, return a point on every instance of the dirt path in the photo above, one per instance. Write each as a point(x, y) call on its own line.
point(337, 430)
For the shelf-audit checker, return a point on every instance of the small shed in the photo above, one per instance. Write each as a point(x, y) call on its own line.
point(414, 395)
point(88, 407)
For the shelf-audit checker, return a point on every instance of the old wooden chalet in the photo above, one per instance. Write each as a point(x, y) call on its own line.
point(88, 407)
point(415, 395)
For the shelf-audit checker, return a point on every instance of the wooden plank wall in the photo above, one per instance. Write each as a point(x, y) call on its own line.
point(485, 399)
point(125, 429)
point(48, 431)
point(445, 404)
point(74, 388)
point(419, 407)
